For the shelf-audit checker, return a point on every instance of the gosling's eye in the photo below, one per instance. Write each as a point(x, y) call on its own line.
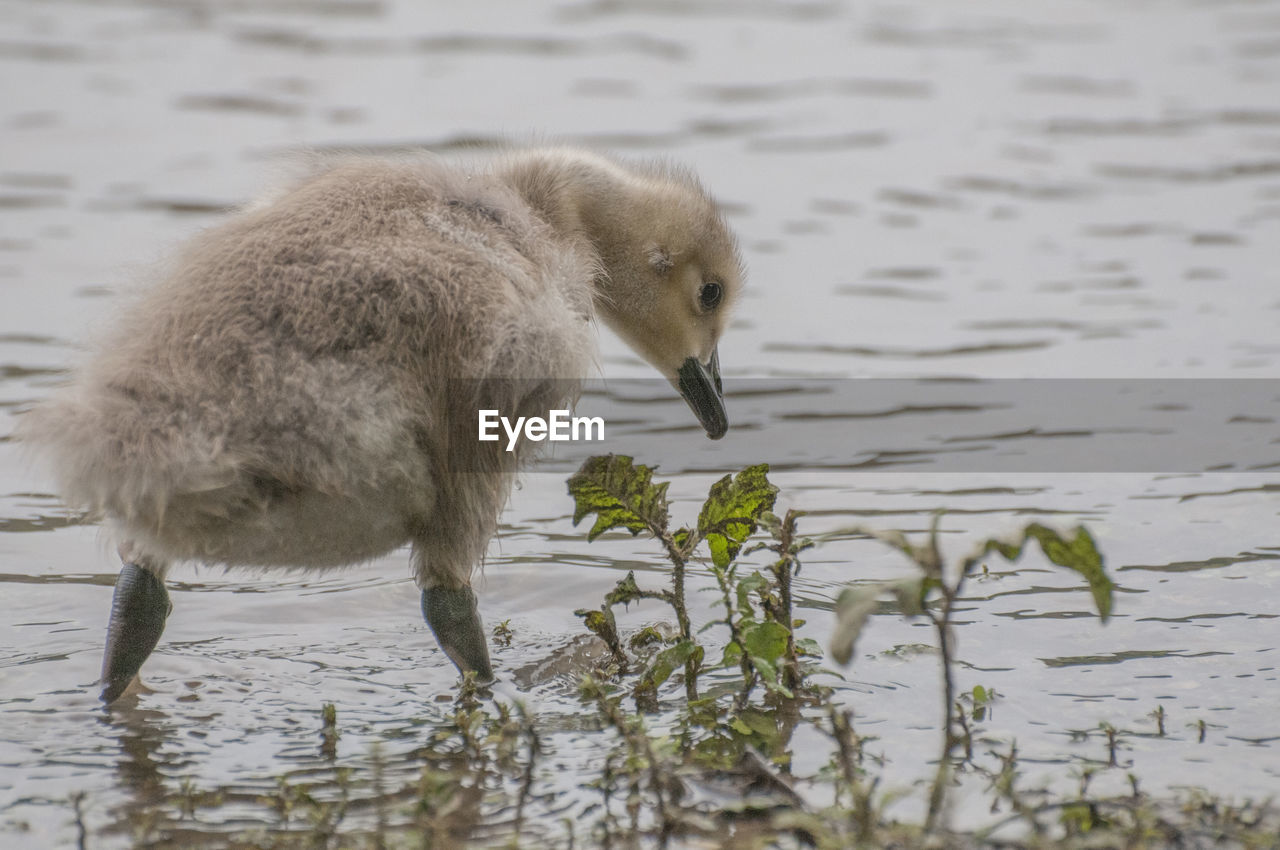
point(710, 295)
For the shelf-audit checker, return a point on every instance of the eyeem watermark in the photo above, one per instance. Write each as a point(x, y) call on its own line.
point(559, 427)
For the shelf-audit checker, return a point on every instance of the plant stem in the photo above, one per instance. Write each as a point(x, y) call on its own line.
point(782, 572)
point(637, 741)
point(380, 797)
point(931, 560)
point(937, 792)
point(82, 832)
point(526, 780)
point(723, 578)
point(682, 614)
point(849, 759)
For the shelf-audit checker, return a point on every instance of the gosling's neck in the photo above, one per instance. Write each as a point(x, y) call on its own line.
point(594, 204)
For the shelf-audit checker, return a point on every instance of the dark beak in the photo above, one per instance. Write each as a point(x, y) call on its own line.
point(700, 386)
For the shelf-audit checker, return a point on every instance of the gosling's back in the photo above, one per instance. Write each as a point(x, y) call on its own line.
point(289, 394)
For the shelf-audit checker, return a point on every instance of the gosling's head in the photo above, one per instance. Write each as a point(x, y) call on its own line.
point(671, 273)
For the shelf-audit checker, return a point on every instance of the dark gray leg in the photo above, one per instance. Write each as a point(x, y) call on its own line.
point(451, 614)
point(138, 611)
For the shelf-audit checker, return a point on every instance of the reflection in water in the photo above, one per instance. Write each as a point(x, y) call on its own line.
point(140, 764)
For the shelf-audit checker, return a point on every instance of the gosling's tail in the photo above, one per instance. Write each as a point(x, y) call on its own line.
point(113, 456)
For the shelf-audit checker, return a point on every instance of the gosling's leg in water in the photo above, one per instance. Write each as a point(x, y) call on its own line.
point(138, 611)
point(451, 613)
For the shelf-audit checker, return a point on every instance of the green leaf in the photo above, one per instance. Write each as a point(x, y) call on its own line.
point(911, 594)
point(681, 539)
point(855, 604)
point(666, 662)
point(770, 522)
point(853, 607)
point(754, 721)
point(1078, 818)
point(705, 711)
point(1079, 553)
point(624, 592)
point(769, 675)
point(645, 637)
point(601, 623)
point(717, 753)
point(621, 494)
point(808, 647)
point(766, 640)
point(746, 585)
point(733, 510)
point(925, 557)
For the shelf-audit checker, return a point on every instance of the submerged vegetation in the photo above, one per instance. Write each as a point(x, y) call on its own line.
point(695, 731)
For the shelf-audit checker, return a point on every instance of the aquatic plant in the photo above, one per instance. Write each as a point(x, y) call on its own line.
point(695, 727)
point(763, 646)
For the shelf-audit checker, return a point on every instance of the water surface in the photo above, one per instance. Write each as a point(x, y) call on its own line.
point(923, 189)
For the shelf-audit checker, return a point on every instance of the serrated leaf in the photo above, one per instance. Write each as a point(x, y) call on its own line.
point(732, 511)
point(1079, 553)
point(621, 495)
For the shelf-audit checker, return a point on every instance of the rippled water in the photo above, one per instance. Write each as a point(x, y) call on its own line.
point(991, 190)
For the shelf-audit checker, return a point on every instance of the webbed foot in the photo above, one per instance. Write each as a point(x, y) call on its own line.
point(451, 613)
point(138, 611)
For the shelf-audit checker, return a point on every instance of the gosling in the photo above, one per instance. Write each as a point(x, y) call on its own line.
point(300, 389)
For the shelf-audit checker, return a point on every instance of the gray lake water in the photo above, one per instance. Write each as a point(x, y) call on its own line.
point(987, 190)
